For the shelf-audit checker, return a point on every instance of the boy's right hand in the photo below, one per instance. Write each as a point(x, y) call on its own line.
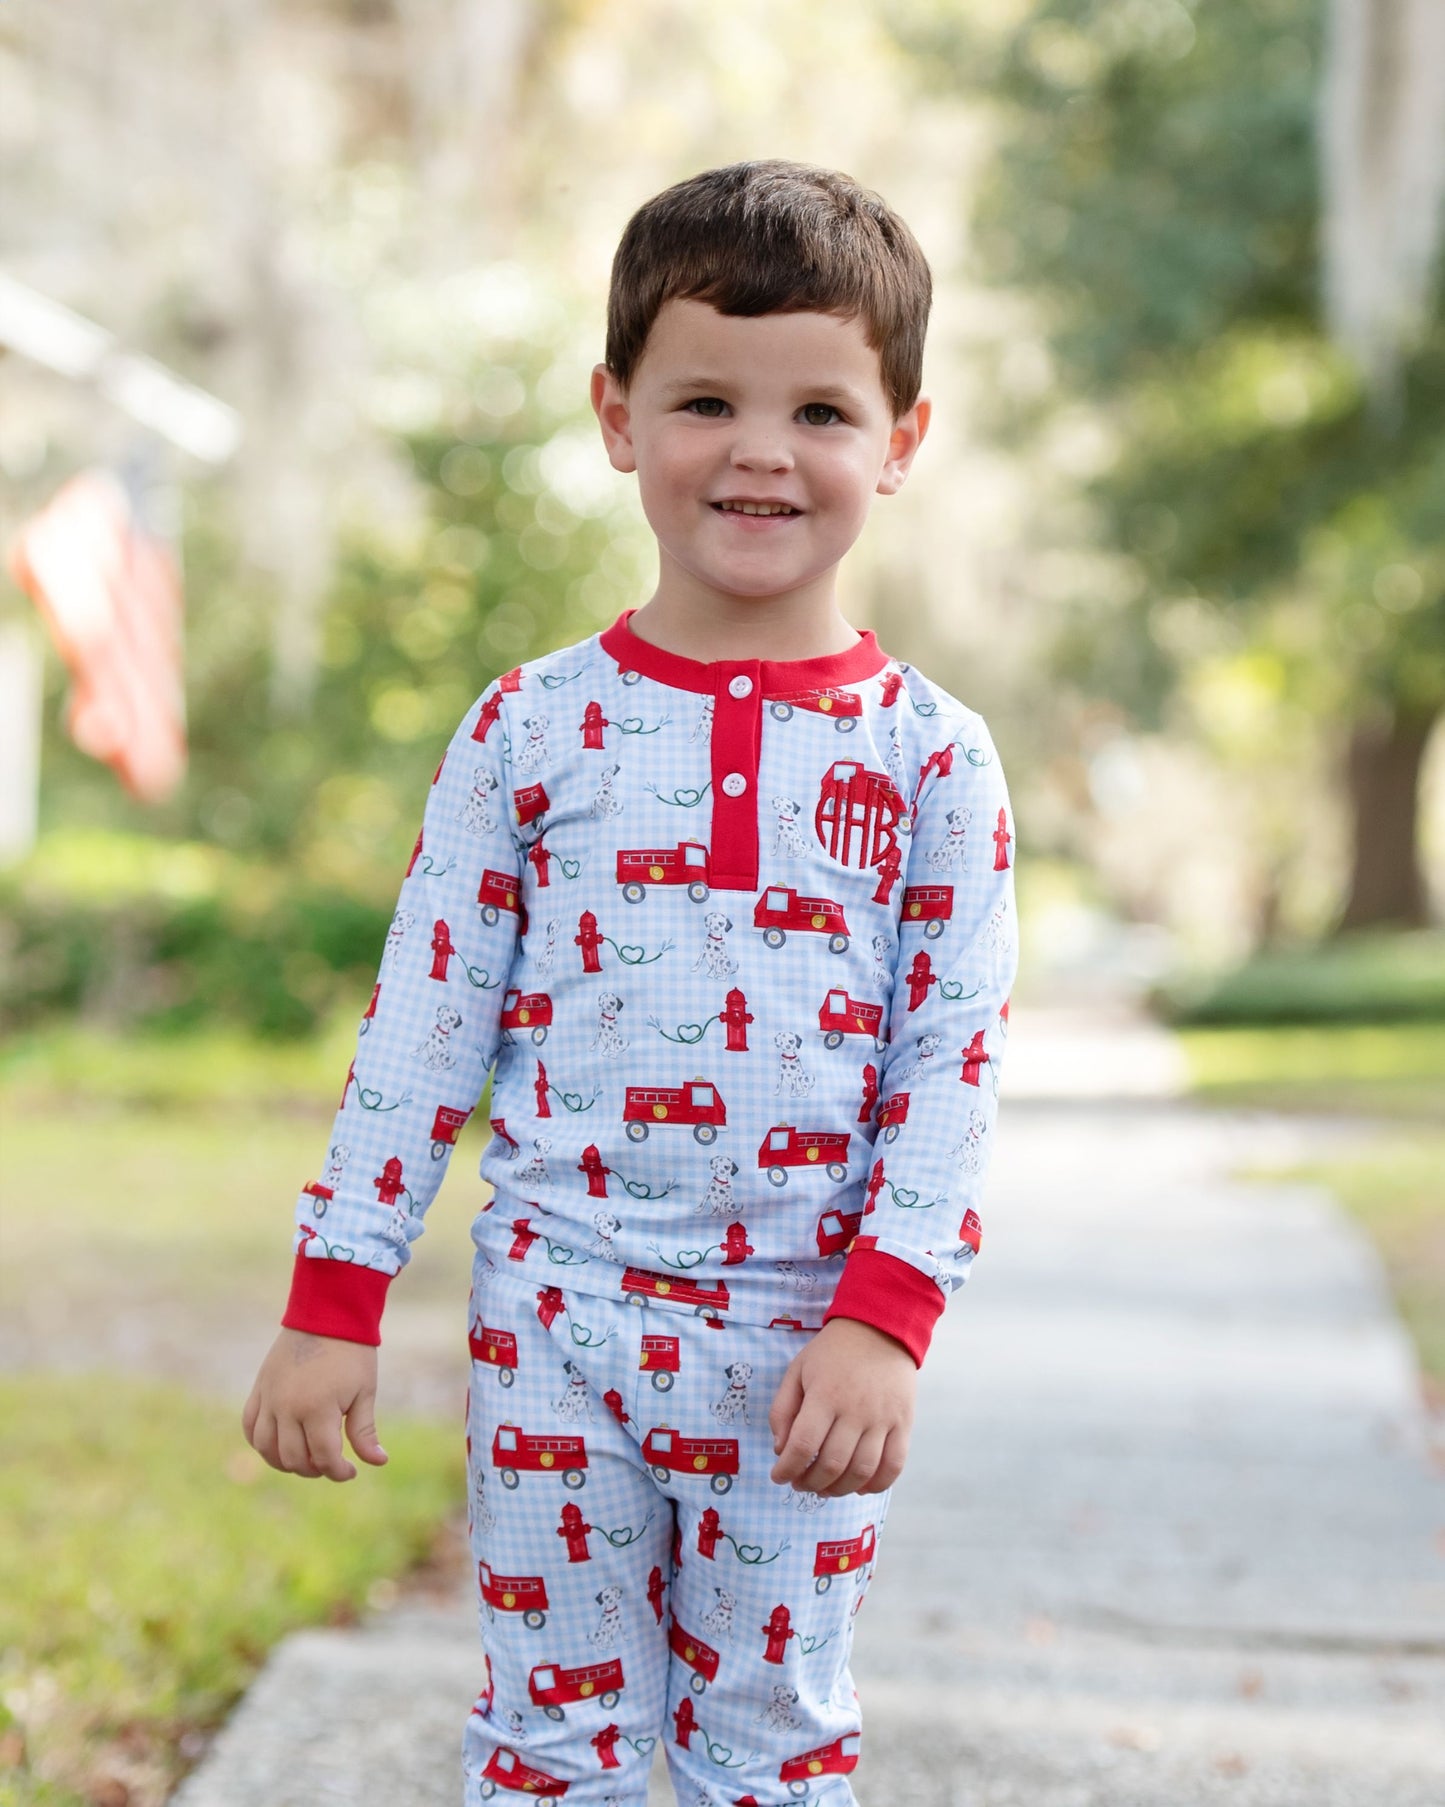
point(306, 1385)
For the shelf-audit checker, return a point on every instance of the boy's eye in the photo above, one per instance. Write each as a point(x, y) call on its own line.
point(827, 408)
point(709, 402)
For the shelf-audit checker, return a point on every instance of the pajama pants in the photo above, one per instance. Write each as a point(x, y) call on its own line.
point(639, 1575)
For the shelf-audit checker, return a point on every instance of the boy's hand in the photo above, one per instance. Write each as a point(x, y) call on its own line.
point(848, 1396)
point(305, 1387)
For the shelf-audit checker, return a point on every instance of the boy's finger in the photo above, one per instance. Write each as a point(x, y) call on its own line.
point(291, 1441)
point(323, 1444)
point(805, 1440)
point(890, 1463)
point(263, 1437)
point(861, 1467)
point(361, 1430)
point(784, 1408)
point(834, 1458)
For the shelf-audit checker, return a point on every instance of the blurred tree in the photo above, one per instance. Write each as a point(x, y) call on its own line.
point(1157, 190)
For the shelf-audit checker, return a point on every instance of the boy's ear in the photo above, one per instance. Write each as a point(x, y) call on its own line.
point(907, 436)
point(614, 416)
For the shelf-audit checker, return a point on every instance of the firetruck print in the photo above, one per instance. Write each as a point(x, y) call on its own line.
point(640, 1287)
point(505, 1769)
point(660, 1360)
point(686, 864)
point(530, 1012)
point(444, 1130)
point(780, 909)
point(836, 1230)
point(843, 707)
point(553, 1687)
point(843, 1556)
point(857, 814)
point(499, 891)
point(524, 1594)
point(497, 1348)
point(839, 1016)
point(839, 1758)
point(701, 1658)
point(892, 1115)
point(696, 1106)
point(515, 1453)
point(785, 1147)
point(931, 905)
point(670, 1453)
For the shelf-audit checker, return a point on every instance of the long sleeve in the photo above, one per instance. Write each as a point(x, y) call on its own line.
point(425, 1045)
point(938, 1091)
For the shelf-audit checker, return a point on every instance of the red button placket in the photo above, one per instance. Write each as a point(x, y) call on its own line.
point(737, 744)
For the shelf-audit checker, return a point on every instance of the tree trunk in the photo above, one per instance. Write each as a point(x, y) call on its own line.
point(1382, 771)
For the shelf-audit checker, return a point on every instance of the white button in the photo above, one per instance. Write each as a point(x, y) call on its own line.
point(740, 687)
point(735, 784)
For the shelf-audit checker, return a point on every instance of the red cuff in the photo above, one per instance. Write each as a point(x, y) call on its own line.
point(890, 1295)
point(336, 1298)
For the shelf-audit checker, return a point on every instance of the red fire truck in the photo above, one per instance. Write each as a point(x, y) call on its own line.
point(786, 1147)
point(639, 1286)
point(500, 891)
point(526, 1594)
point(505, 1769)
point(515, 1452)
point(669, 1452)
point(530, 801)
point(932, 905)
point(444, 1129)
point(685, 864)
point(892, 1115)
point(496, 1347)
point(840, 1015)
point(661, 1357)
point(836, 1229)
point(835, 1759)
point(527, 1010)
point(780, 908)
point(844, 706)
point(550, 1685)
point(700, 1658)
point(971, 1229)
point(837, 1558)
point(696, 1104)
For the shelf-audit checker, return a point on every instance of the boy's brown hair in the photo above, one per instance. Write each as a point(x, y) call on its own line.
point(768, 237)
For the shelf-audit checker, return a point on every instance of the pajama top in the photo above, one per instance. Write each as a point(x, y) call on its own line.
point(736, 940)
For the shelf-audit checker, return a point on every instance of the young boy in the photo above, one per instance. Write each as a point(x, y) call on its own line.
point(726, 894)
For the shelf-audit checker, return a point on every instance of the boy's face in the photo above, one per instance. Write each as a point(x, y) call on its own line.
point(767, 407)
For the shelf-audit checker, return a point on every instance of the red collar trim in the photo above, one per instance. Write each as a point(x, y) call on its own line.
point(777, 677)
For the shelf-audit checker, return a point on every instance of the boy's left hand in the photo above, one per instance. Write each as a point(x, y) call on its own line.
point(848, 1396)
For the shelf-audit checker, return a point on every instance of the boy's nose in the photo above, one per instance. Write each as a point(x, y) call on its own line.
point(761, 452)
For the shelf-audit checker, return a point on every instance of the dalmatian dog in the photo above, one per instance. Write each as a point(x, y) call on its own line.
point(400, 923)
point(436, 1053)
point(718, 1200)
point(534, 1172)
point(969, 1152)
point(483, 1518)
point(516, 1725)
point(532, 754)
point(606, 803)
point(882, 970)
point(475, 815)
point(609, 1039)
point(804, 1501)
point(609, 1629)
point(949, 852)
point(575, 1404)
point(926, 1049)
point(703, 730)
point(335, 1169)
point(715, 960)
point(718, 1619)
point(788, 840)
point(734, 1401)
point(606, 1224)
point(800, 1277)
point(893, 760)
point(401, 1228)
point(778, 1715)
point(996, 932)
point(794, 1079)
point(548, 955)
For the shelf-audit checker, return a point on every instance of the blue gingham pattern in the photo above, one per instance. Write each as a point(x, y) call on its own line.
point(638, 1573)
point(707, 1198)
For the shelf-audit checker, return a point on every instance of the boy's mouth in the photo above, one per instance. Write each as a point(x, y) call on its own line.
point(756, 511)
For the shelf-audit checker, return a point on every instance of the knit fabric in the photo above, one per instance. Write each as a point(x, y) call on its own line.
point(736, 940)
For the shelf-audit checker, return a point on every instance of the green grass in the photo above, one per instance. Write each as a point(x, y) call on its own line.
point(149, 1559)
point(1365, 976)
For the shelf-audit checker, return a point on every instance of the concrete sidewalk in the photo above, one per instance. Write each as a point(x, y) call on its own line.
point(1173, 1526)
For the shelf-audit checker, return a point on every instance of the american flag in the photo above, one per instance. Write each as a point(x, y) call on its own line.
point(110, 594)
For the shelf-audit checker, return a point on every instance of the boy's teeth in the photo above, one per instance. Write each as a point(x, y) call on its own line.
point(756, 508)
